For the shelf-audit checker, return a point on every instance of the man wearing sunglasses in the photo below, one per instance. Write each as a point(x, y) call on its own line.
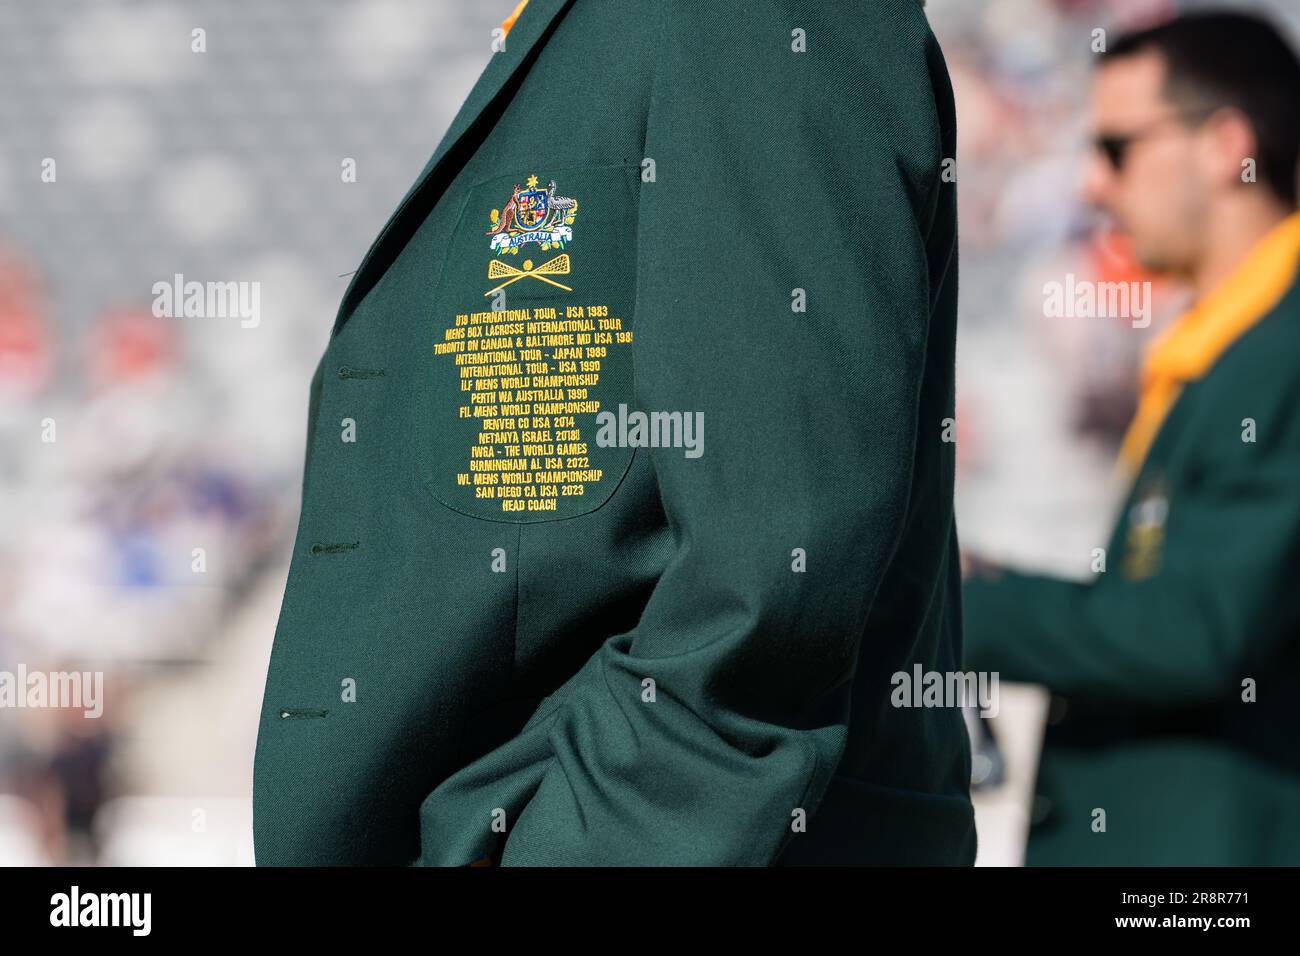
point(1175, 673)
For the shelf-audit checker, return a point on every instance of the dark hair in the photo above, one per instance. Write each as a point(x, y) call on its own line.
point(1241, 60)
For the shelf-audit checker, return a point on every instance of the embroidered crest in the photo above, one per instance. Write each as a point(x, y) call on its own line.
point(533, 215)
point(1146, 532)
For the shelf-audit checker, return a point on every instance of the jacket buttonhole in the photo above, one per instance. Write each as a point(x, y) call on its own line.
point(319, 548)
point(347, 371)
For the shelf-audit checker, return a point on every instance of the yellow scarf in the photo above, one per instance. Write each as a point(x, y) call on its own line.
point(1187, 349)
point(510, 20)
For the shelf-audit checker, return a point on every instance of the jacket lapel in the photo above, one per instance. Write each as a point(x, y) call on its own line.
point(526, 39)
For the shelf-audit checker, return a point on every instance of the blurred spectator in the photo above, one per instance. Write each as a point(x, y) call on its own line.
point(1159, 751)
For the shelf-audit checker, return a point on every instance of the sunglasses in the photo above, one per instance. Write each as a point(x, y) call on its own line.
point(1115, 146)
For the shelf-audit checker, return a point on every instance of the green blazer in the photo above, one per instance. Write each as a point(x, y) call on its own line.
point(1153, 664)
point(515, 628)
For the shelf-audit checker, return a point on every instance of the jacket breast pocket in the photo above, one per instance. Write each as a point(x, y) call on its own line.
point(530, 346)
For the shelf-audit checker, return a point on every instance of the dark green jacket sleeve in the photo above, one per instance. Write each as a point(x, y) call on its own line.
point(775, 171)
point(1222, 600)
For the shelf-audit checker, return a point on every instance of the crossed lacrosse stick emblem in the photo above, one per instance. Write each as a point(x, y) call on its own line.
point(559, 266)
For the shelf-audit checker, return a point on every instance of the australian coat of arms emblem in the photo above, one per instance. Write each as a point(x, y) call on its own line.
point(533, 215)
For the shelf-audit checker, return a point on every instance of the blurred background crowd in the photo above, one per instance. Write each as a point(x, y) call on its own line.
point(175, 434)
